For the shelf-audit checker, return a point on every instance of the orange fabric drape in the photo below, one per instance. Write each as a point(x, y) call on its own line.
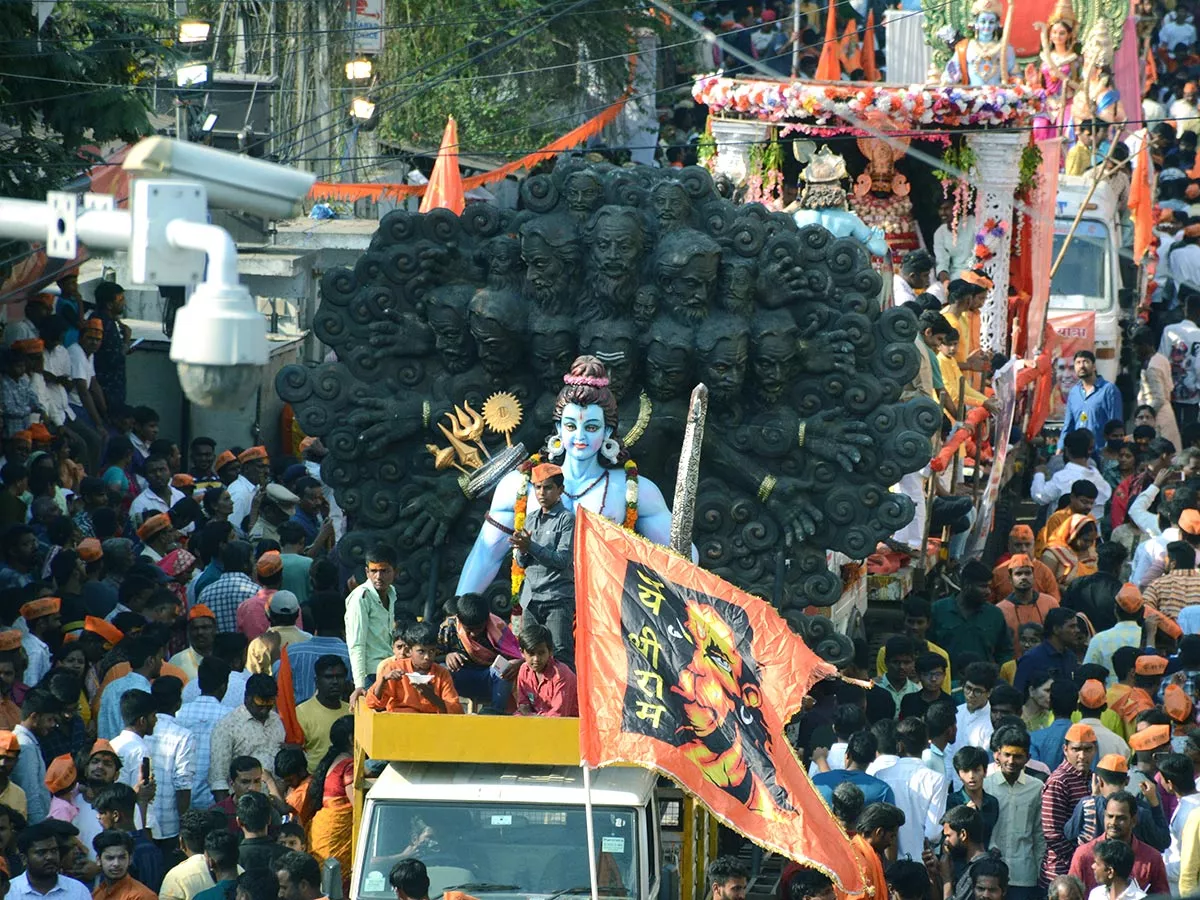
point(974, 418)
point(829, 67)
point(445, 188)
point(326, 190)
point(1141, 200)
point(870, 72)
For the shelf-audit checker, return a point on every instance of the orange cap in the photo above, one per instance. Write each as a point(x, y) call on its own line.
point(9, 742)
point(1177, 703)
point(36, 609)
point(252, 454)
point(1189, 521)
point(182, 480)
point(1019, 561)
point(1150, 664)
point(107, 630)
point(1129, 598)
point(89, 549)
point(1092, 695)
point(223, 460)
point(1021, 531)
point(40, 434)
point(60, 774)
point(544, 471)
point(154, 525)
point(1113, 762)
point(1150, 738)
point(103, 746)
point(270, 563)
point(29, 345)
point(10, 640)
point(200, 611)
point(1081, 734)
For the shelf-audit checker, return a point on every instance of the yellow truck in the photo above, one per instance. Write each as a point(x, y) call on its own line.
point(495, 807)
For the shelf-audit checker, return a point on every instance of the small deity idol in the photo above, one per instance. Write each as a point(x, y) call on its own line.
point(1059, 72)
point(985, 58)
point(823, 202)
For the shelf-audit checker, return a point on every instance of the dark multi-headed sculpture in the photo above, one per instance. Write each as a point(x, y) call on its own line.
point(653, 274)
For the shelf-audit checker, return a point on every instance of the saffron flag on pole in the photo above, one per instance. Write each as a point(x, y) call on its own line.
point(681, 672)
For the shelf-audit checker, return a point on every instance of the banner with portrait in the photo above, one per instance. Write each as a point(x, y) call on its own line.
point(1067, 332)
point(681, 672)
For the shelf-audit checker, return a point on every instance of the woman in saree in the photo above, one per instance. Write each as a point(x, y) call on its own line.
point(1071, 549)
point(328, 802)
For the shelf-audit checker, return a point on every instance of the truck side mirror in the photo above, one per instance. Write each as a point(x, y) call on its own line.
point(331, 879)
point(1125, 298)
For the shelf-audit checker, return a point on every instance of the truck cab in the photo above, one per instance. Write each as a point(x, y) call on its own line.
point(496, 807)
point(1089, 278)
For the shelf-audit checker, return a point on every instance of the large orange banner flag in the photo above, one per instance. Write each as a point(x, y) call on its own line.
point(681, 672)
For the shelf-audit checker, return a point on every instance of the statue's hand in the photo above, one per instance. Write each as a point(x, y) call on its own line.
point(400, 334)
point(790, 505)
point(435, 511)
point(829, 436)
point(833, 352)
point(384, 421)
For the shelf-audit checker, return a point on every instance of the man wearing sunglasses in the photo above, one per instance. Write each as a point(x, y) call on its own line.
point(253, 729)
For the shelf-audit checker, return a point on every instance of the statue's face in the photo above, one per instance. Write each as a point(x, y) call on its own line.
point(671, 206)
point(987, 27)
point(666, 372)
point(451, 338)
point(687, 289)
point(1060, 36)
point(582, 430)
point(552, 355)
point(723, 368)
point(738, 296)
point(505, 258)
point(545, 273)
point(615, 247)
point(583, 193)
point(645, 305)
point(774, 364)
point(620, 358)
point(498, 347)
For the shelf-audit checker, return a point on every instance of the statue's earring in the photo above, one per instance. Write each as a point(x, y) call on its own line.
point(554, 446)
point(610, 450)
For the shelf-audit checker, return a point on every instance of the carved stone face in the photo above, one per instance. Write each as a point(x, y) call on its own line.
point(451, 338)
point(686, 289)
point(667, 371)
point(616, 245)
point(546, 274)
point(723, 368)
point(987, 24)
point(645, 305)
point(774, 361)
point(583, 193)
point(504, 258)
point(499, 348)
point(552, 356)
point(672, 206)
point(619, 355)
point(737, 289)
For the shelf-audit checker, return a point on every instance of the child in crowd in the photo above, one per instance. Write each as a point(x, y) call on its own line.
point(545, 686)
point(415, 683)
point(293, 836)
point(931, 675)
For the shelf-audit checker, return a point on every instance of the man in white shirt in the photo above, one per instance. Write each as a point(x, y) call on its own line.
point(1180, 779)
point(974, 718)
point(914, 277)
point(953, 251)
point(255, 467)
point(159, 495)
point(1183, 110)
point(1077, 448)
point(1180, 344)
point(919, 791)
point(41, 879)
point(172, 749)
point(1176, 30)
point(139, 716)
point(1112, 867)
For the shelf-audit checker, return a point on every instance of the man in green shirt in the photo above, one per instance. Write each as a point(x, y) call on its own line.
point(967, 623)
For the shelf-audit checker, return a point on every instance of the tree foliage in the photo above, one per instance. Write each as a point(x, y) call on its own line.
point(79, 83)
point(577, 60)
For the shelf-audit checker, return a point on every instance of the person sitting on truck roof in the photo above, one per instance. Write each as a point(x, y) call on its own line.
point(416, 683)
point(482, 653)
point(409, 880)
point(545, 686)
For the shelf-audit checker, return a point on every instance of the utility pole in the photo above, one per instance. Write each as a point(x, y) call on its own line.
point(323, 148)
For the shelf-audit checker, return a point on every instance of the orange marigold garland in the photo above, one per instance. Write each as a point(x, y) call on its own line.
point(520, 507)
point(631, 495)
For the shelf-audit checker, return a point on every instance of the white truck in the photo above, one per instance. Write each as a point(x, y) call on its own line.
point(501, 813)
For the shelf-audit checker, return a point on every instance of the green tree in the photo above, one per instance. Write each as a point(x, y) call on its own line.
point(514, 98)
point(79, 83)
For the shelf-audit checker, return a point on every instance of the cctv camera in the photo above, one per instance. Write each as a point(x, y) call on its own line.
point(231, 181)
point(219, 346)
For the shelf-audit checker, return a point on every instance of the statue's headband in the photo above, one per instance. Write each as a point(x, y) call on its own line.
point(586, 380)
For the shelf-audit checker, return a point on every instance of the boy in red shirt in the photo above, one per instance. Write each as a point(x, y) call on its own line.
point(415, 684)
point(545, 686)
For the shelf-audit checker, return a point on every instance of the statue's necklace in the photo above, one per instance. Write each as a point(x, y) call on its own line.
point(604, 478)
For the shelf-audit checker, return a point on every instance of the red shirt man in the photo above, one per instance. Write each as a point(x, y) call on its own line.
point(1120, 814)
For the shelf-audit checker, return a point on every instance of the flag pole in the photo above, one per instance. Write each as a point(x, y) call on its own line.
point(591, 830)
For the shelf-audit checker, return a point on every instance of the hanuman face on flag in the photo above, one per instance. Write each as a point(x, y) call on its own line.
point(693, 683)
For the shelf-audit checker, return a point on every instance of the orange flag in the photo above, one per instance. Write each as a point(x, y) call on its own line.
point(682, 673)
point(445, 189)
point(1141, 201)
point(829, 66)
point(870, 72)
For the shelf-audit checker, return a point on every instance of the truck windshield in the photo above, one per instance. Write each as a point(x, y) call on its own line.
point(501, 849)
point(1081, 282)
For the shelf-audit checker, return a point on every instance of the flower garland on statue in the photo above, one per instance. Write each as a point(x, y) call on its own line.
point(946, 106)
point(631, 495)
point(764, 179)
point(891, 213)
point(955, 178)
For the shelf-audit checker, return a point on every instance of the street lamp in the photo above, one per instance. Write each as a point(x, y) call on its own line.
point(362, 109)
point(194, 31)
point(359, 70)
point(191, 75)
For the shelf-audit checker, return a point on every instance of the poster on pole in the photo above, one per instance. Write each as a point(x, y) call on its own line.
point(1067, 332)
point(1004, 382)
point(366, 19)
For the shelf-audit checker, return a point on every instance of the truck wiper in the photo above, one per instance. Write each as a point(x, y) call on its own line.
point(581, 889)
point(482, 886)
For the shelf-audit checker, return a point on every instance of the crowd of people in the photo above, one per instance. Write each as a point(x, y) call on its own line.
point(180, 648)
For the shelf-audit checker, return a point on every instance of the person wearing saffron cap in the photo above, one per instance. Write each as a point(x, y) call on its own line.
point(1130, 612)
point(1093, 710)
point(1070, 782)
point(43, 621)
point(542, 546)
point(1021, 540)
point(254, 464)
point(201, 632)
point(158, 536)
point(227, 467)
point(253, 616)
point(10, 751)
point(1120, 819)
point(1024, 603)
point(60, 782)
point(1111, 775)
